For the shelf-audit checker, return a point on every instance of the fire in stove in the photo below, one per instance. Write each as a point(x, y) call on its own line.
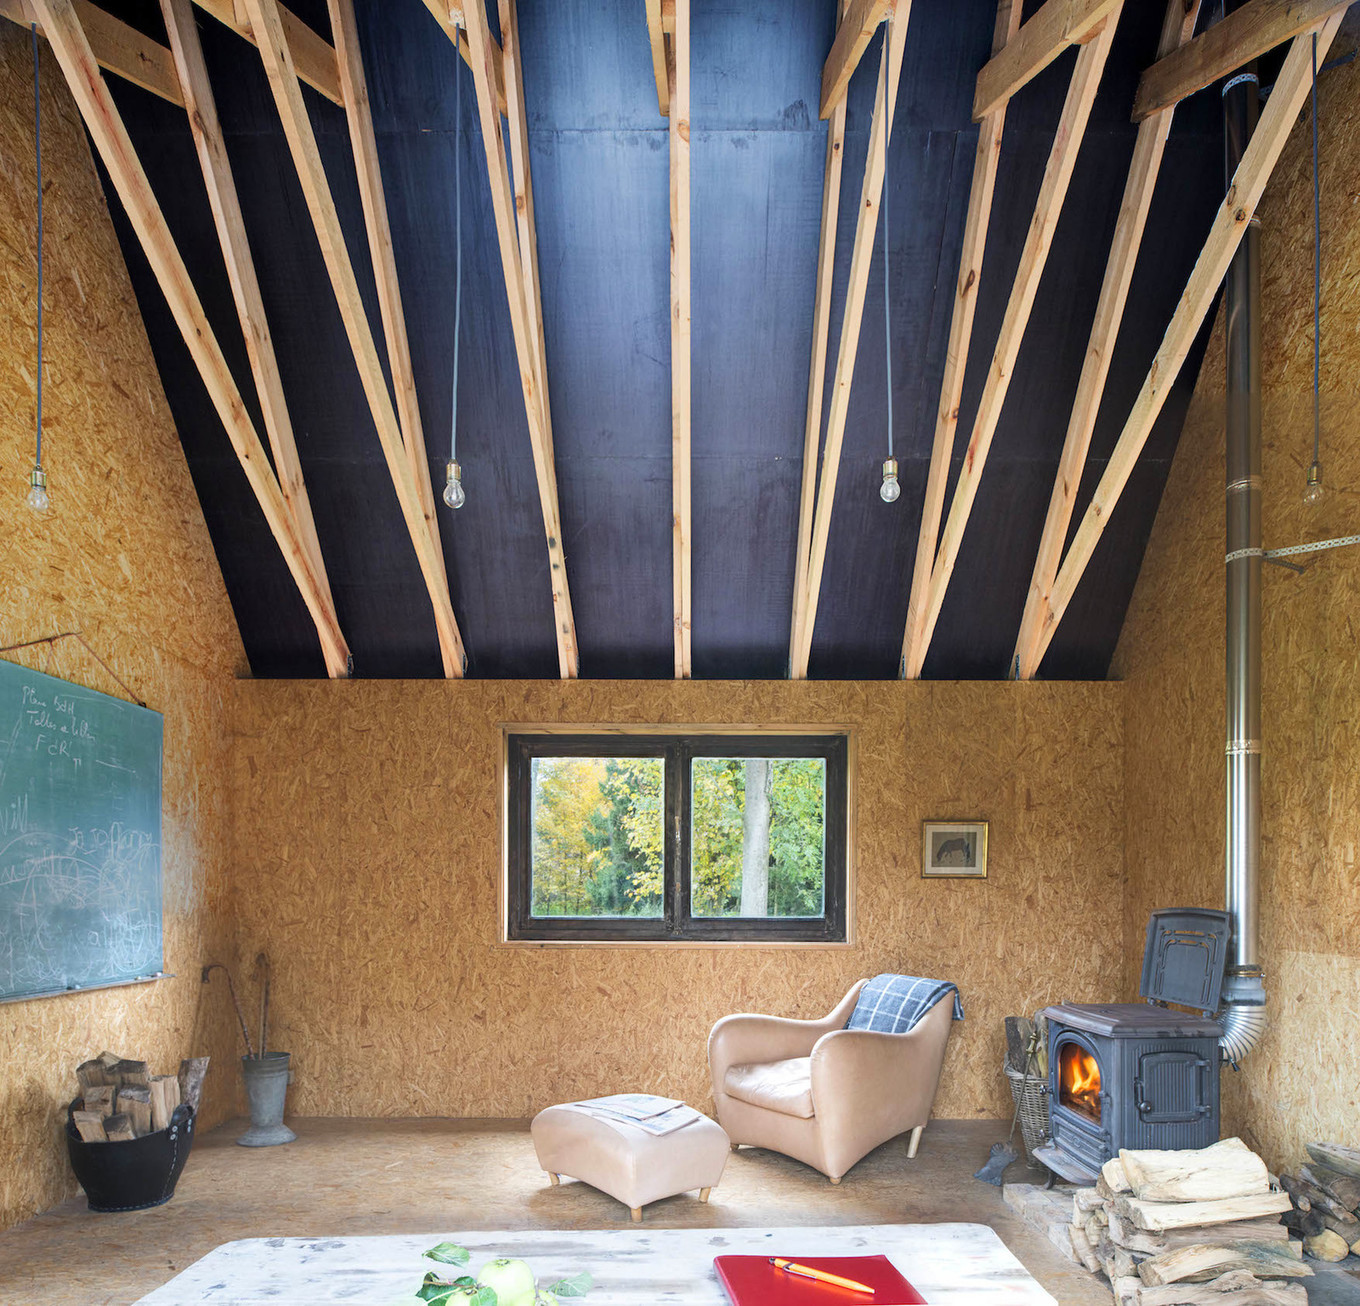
point(1079, 1081)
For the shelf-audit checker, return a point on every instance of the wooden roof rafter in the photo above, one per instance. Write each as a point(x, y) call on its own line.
point(1177, 28)
point(927, 600)
point(267, 30)
point(1225, 235)
point(677, 73)
point(966, 286)
point(866, 227)
point(64, 30)
point(313, 56)
point(450, 18)
point(821, 331)
point(117, 47)
point(201, 107)
point(523, 322)
point(858, 21)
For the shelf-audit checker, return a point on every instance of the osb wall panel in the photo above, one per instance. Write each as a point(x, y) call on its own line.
point(124, 557)
point(368, 865)
point(1301, 1082)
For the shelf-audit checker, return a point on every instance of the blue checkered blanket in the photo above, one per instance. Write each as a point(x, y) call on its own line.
point(892, 1004)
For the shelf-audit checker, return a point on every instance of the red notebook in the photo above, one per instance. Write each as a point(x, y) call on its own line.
point(753, 1281)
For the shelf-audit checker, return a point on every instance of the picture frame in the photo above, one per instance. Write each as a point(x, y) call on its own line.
point(954, 850)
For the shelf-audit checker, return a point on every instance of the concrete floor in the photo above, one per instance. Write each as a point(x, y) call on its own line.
point(346, 1176)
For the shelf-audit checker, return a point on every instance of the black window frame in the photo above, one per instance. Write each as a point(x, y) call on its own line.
point(676, 925)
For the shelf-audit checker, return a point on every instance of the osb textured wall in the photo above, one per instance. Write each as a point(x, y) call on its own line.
point(368, 863)
point(1303, 1081)
point(124, 557)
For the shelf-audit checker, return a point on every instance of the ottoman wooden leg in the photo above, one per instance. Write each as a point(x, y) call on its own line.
point(703, 1194)
point(556, 1179)
point(736, 1147)
point(835, 1178)
point(637, 1214)
point(915, 1141)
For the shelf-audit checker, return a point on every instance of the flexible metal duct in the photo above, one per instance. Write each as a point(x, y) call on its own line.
point(1243, 1010)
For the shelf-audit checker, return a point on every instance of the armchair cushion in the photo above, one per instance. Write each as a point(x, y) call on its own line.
point(892, 1004)
point(783, 1086)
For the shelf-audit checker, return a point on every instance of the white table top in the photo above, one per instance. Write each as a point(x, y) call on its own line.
point(949, 1264)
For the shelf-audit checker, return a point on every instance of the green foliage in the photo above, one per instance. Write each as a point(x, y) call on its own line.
point(449, 1254)
point(598, 829)
point(466, 1291)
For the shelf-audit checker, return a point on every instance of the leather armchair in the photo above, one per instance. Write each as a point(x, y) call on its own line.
point(821, 1093)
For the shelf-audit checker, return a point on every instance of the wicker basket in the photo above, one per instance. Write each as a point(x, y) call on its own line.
point(1031, 1099)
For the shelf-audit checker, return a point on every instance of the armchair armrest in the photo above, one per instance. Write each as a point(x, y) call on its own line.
point(736, 1040)
point(860, 1073)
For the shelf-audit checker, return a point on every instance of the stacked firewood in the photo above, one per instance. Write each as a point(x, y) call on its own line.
point(121, 1099)
point(1326, 1195)
point(1189, 1228)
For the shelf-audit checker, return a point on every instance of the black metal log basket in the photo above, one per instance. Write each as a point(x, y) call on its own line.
point(136, 1174)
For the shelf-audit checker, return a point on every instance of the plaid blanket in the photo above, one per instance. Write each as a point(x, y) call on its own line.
point(892, 1004)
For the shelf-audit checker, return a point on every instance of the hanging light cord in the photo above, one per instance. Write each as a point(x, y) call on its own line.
point(887, 302)
point(458, 236)
point(1317, 269)
point(37, 137)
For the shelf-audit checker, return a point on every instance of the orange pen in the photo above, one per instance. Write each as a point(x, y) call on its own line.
point(822, 1276)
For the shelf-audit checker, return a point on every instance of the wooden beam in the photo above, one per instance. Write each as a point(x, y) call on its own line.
point(117, 47)
point(681, 384)
point(450, 18)
point(313, 57)
point(267, 27)
point(225, 203)
point(359, 116)
point(656, 37)
point(871, 195)
point(62, 25)
point(853, 34)
point(1177, 28)
point(821, 330)
point(517, 122)
point(924, 610)
point(1040, 41)
point(503, 208)
point(1241, 36)
point(985, 162)
point(1229, 226)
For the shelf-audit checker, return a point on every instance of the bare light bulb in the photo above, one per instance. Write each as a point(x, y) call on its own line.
point(1313, 492)
point(890, 489)
point(37, 490)
point(454, 494)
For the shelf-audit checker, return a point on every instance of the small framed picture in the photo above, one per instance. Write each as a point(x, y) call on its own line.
point(954, 850)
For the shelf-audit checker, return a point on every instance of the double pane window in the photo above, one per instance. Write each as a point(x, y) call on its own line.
point(695, 837)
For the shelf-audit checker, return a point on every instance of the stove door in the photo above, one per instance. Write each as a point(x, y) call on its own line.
point(1171, 1087)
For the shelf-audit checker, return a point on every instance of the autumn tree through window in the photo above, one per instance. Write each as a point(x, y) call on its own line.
point(630, 837)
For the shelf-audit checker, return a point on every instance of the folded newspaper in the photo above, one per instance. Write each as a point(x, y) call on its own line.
point(653, 1115)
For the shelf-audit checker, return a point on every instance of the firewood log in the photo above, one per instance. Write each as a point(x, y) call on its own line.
point(99, 1099)
point(1087, 1199)
point(90, 1126)
point(1125, 1234)
point(1202, 1262)
point(132, 1072)
point(91, 1074)
point(119, 1129)
point(192, 1072)
point(1226, 1170)
point(1081, 1245)
point(1317, 1190)
point(1113, 1177)
point(1236, 1288)
point(164, 1099)
point(1159, 1216)
point(134, 1101)
point(1344, 1160)
point(1343, 1187)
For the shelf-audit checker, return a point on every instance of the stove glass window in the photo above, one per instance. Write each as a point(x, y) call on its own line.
point(1079, 1081)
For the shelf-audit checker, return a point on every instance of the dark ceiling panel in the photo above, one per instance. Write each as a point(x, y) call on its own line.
point(599, 155)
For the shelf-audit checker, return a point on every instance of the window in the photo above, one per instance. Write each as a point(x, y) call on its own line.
point(689, 837)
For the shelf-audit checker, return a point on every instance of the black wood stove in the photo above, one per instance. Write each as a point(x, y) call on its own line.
point(1140, 1075)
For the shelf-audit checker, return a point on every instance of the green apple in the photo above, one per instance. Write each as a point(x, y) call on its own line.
point(512, 1281)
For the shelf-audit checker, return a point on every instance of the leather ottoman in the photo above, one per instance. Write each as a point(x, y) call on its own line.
point(629, 1164)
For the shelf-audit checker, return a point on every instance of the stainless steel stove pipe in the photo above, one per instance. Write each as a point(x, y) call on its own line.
point(1243, 1013)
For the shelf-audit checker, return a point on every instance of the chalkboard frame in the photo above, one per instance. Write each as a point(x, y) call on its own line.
point(81, 891)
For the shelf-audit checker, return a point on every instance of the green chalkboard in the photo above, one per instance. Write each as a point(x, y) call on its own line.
point(80, 837)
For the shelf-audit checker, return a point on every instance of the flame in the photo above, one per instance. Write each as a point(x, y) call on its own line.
point(1079, 1080)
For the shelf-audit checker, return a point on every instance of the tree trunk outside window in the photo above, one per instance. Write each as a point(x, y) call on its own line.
point(755, 841)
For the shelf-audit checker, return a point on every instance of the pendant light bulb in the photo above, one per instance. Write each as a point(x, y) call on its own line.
point(37, 490)
point(454, 494)
point(890, 489)
point(1314, 491)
